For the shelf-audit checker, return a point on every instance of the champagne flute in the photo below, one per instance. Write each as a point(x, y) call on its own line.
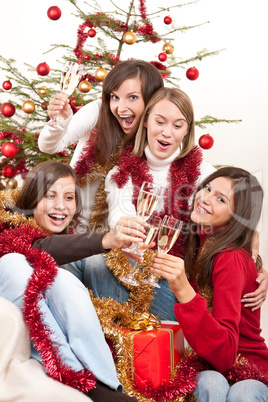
point(71, 74)
point(168, 233)
point(153, 224)
point(148, 198)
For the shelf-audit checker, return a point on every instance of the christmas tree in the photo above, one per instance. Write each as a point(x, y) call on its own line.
point(104, 39)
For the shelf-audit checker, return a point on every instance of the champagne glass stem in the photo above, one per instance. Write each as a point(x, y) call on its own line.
point(133, 268)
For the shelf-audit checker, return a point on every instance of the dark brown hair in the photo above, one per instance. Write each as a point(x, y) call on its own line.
point(108, 129)
point(239, 231)
point(38, 182)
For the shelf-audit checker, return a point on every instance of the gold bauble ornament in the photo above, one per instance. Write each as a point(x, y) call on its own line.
point(100, 74)
point(11, 184)
point(28, 106)
point(129, 38)
point(168, 48)
point(84, 86)
point(42, 90)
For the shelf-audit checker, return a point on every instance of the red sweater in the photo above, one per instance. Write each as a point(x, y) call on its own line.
point(232, 328)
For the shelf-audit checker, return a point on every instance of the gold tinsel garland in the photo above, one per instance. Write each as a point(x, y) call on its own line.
point(99, 211)
point(8, 200)
point(140, 297)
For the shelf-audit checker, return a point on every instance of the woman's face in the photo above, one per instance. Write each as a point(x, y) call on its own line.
point(166, 128)
point(127, 104)
point(214, 204)
point(56, 209)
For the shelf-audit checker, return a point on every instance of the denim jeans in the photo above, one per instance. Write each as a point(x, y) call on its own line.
point(95, 275)
point(68, 312)
point(213, 387)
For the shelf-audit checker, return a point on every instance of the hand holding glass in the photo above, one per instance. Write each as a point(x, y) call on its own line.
point(71, 74)
point(148, 198)
point(168, 233)
point(153, 224)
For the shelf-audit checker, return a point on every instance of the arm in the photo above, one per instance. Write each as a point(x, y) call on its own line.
point(255, 300)
point(67, 248)
point(119, 200)
point(71, 130)
point(221, 329)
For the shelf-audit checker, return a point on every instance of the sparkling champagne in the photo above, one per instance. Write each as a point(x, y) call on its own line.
point(146, 204)
point(166, 238)
point(151, 234)
point(69, 82)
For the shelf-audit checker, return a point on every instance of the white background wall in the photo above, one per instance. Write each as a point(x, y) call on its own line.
point(232, 85)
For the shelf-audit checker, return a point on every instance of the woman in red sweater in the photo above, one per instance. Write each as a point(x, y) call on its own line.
point(217, 272)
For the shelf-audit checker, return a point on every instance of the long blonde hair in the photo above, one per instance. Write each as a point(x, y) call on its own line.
point(183, 102)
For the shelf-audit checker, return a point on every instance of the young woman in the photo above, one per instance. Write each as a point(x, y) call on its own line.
point(126, 90)
point(216, 273)
point(164, 153)
point(44, 211)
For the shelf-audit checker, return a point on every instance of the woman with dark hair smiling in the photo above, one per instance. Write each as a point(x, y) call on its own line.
point(211, 281)
point(63, 324)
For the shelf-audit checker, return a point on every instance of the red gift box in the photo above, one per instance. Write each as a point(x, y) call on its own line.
point(156, 353)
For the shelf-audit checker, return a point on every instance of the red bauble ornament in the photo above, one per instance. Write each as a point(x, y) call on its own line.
point(206, 141)
point(7, 109)
point(9, 149)
point(91, 33)
point(44, 105)
point(162, 56)
point(192, 73)
point(54, 13)
point(167, 20)
point(7, 85)
point(43, 69)
point(9, 171)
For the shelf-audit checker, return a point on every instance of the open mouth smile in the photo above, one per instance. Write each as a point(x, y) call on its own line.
point(202, 210)
point(57, 219)
point(127, 120)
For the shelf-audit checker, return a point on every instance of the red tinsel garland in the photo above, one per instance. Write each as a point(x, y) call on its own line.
point(183, 174)
point(20, 240)
point(87, 158)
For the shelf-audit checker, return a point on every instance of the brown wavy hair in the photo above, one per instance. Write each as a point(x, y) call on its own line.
point(109, 131)
point(237, 234)
point(38, 182)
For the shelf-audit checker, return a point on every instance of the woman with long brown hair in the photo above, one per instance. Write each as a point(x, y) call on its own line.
point(210, 283)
